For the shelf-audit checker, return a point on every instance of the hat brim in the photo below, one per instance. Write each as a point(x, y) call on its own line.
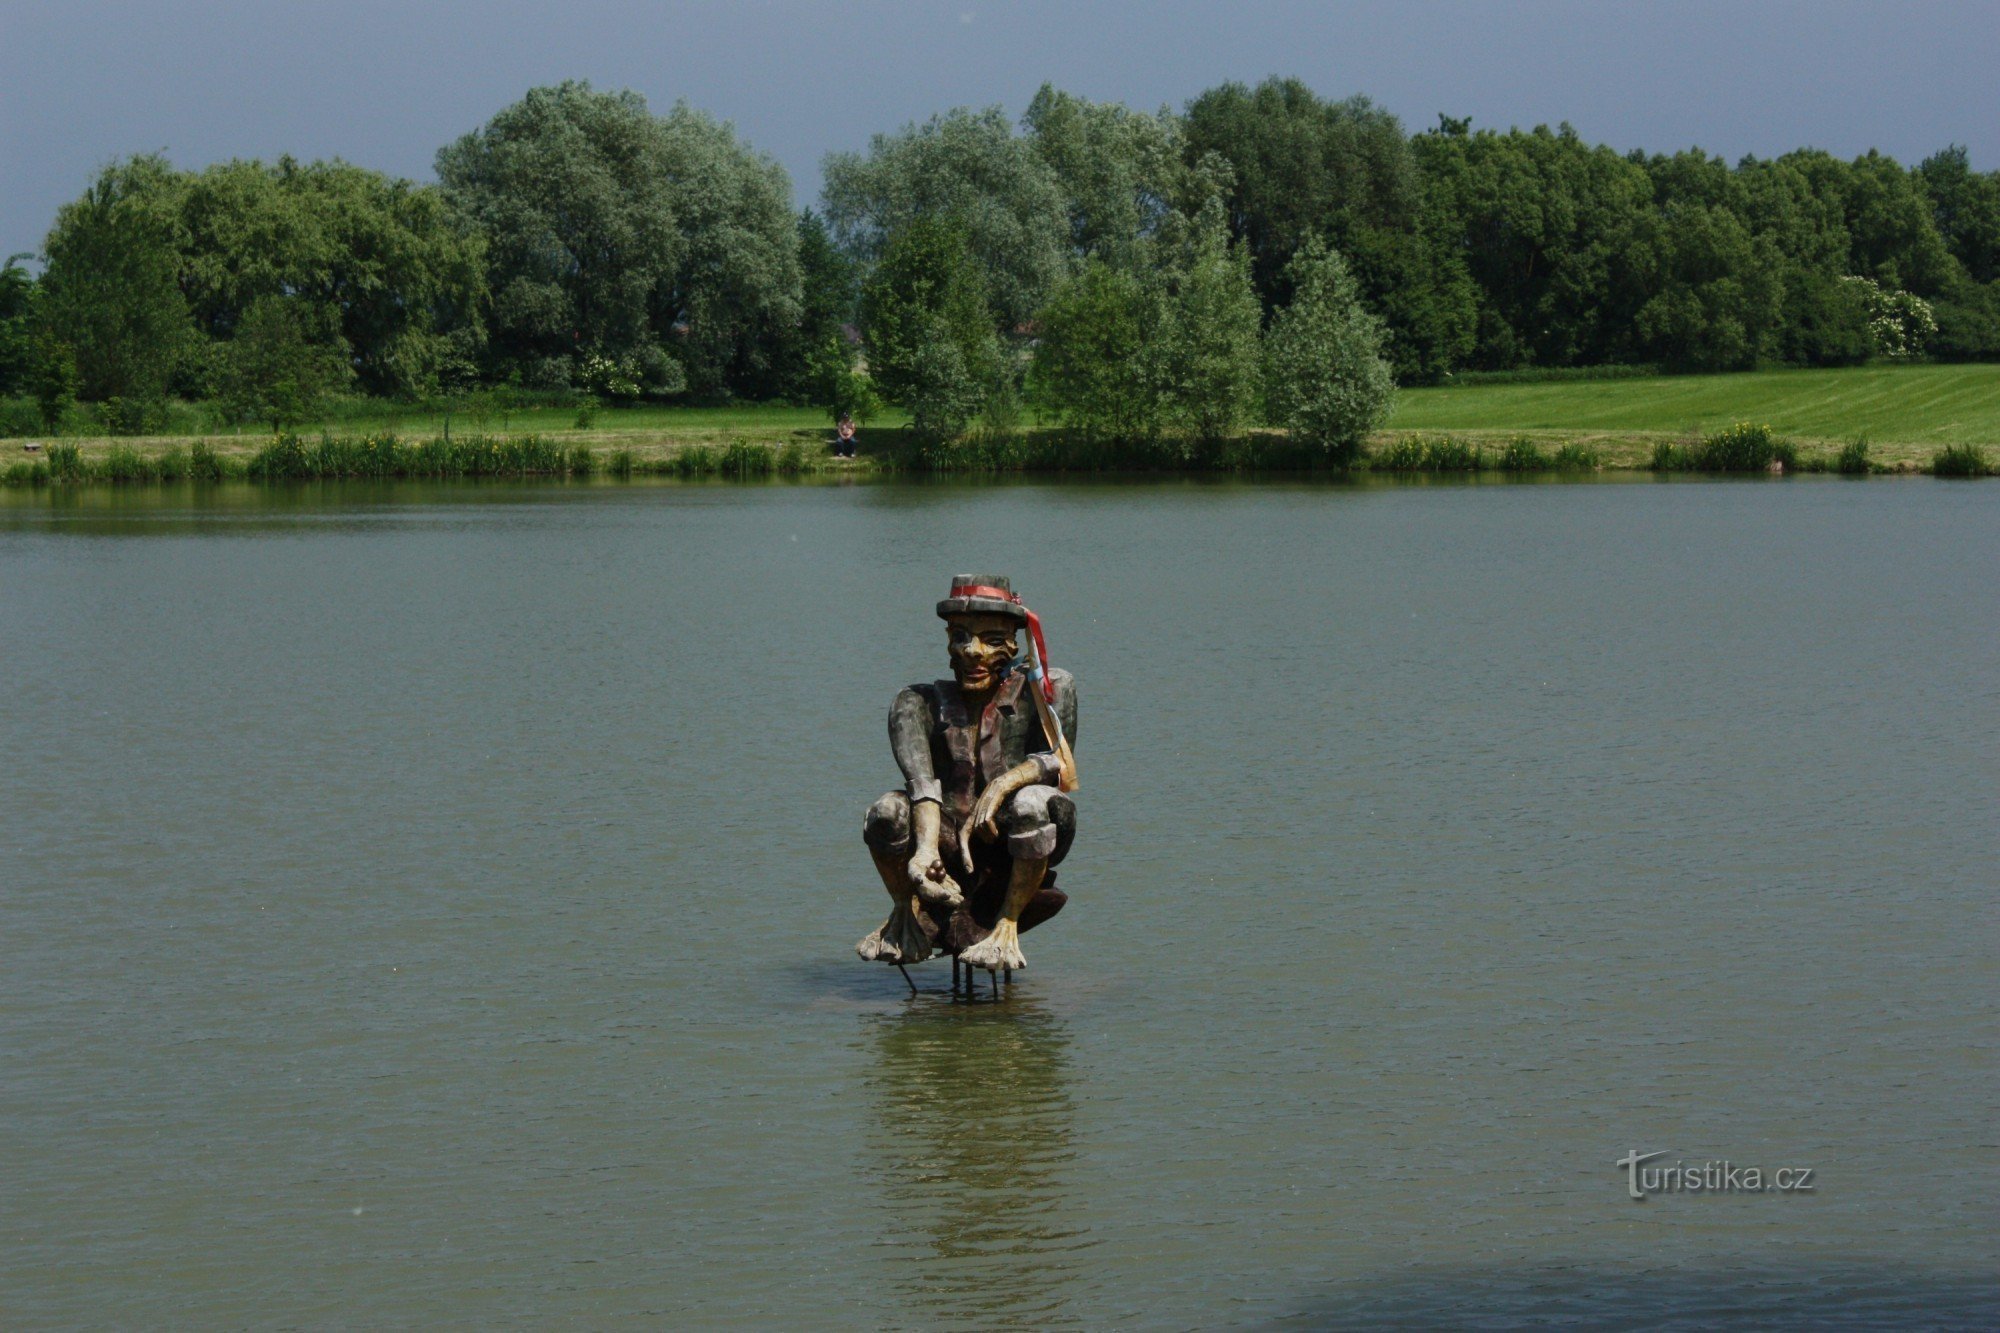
point(982, 606)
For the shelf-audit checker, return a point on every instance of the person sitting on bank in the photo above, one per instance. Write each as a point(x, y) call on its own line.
point(843, 437)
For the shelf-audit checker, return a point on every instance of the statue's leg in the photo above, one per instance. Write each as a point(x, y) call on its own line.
point(1031, 822)
point(902, 938)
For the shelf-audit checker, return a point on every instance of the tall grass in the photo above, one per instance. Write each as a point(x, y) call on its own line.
point(1439, 453)
point(1743, 447)
point(1960, 460)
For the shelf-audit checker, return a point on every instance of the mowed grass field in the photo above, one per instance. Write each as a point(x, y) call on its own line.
point(1905, 413)
point(1910, 405)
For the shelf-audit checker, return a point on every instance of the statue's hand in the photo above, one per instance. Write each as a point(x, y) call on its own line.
point(931, 881)
point(985, 819)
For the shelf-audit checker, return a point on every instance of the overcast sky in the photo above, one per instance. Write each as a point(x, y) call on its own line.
point(384, 83)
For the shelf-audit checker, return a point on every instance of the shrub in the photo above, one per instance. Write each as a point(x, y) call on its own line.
point(1414, 453)
point(203, 463)
point(1959, 460)
point(744, 459)
point(621, 463)
point(65, 463)
point(1578, 458)
point(1853, 460)
point(122, 463)
point(1523, 455)
point(1324, 371)
point(581, 462)
point(1742, 447)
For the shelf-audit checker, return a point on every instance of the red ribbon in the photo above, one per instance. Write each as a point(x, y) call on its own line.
point(1034, 627)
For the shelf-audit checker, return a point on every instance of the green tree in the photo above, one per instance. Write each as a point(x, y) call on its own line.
point(283, 363)
point(1120, 173)
point(52, 378)
point(1324, 374)
point(929, 336)
point(827, 295)
point(110, 290)
point(1343, 172)
point(17, 329)
point(405, 279)
point(971, 169)
point(614, 232)
point(1207, 353)
point(1091, 356)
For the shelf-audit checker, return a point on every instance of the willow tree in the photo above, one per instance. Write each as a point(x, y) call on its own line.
point(659, 241)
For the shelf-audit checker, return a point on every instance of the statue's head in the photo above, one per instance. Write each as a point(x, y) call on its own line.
point(981, 619)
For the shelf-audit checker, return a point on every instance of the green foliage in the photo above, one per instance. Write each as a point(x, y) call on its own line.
point(1522, 454)
point(53, 379)
point(1577, 458)
point(17, 332)
point(1743, 447)
point(283, 363)
point(615, 232)
point(1326, 379)
point(111, 292)
point(65, 463)
point(1853, 460)
point(835, 381)
point(1090, 354)
point(1960, 460)
point(1207, 353)
point(402, 282)
point(203, 462)
point(969, 171)
point(813, 362)
point(1900, 323)
point(1416, 453)
point(929, 336)
point(1119, 173)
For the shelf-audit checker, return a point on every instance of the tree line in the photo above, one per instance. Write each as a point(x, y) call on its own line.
point(1262, 253)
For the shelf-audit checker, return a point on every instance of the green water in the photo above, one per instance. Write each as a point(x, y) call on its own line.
point(435, 905)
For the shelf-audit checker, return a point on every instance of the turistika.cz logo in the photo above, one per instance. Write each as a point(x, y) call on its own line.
point(1714, 1177)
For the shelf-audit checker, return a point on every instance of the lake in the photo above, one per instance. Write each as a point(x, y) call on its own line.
point(436, 904)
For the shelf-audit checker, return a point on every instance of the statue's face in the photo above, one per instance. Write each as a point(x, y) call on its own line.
point(981, 646)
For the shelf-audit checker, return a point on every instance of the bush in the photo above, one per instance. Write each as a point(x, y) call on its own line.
point(1578, 458)
point(1325, 375)
point(1414, 453)
point(203, 462)
point(65, 463)
point(122, 463)
point(1523, 455)
point(1743, 447)
point(1959, 460)
point(1853, 460)
point(131, 416)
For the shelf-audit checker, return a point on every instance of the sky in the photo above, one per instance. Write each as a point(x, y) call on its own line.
point(385, 84)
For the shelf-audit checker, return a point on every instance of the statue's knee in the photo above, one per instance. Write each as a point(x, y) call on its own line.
point(1033, 822)
point(887, 823)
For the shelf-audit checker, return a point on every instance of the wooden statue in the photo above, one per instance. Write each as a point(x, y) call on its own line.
point(968, 848)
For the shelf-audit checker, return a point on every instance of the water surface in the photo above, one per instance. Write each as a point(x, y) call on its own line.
point(436, 905)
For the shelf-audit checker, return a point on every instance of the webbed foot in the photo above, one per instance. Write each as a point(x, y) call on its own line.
point(1000, 949)
point(900, 940)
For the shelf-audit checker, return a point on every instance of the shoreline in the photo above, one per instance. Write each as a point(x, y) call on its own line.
point(158, 460)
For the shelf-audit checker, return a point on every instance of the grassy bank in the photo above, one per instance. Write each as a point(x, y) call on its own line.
point(1910, 418)
point(1890, 405)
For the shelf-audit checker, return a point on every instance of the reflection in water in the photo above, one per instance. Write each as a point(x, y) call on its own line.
point(970, 1143)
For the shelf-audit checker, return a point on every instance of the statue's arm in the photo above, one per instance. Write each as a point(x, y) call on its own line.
point(1065, 709)
point(1043, 766)
point(910, 742)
